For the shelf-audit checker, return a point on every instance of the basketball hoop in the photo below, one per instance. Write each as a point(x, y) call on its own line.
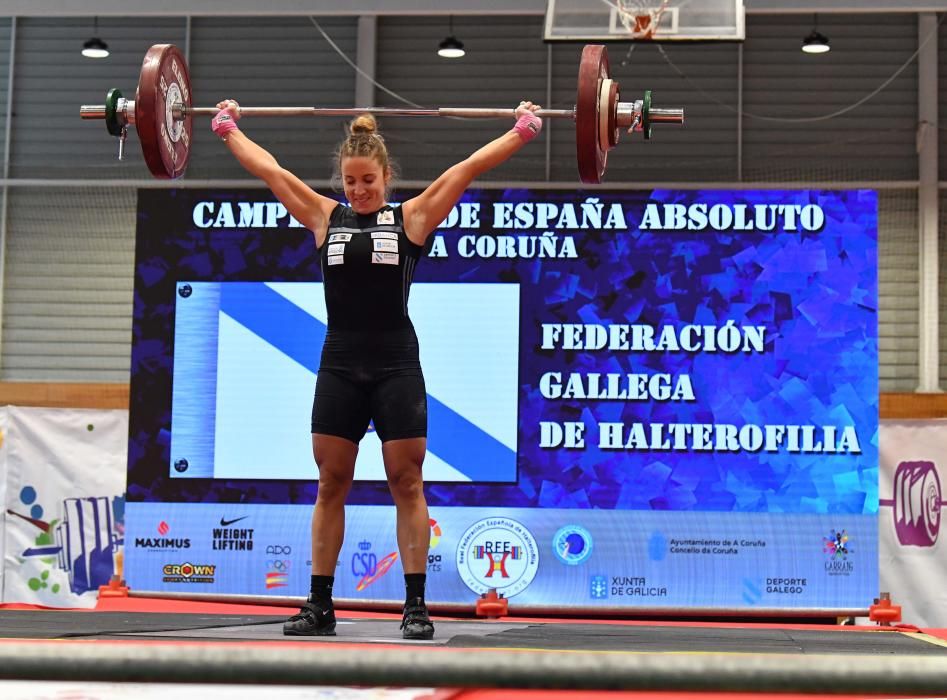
point(645, 21)
point(640, 17)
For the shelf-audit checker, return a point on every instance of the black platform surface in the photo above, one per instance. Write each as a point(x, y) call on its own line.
point(63, 624)
point(679, 638)
point(471, 634)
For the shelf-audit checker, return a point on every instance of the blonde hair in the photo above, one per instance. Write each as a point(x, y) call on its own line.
point(364, 141)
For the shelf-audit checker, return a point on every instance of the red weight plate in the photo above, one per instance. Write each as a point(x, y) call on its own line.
point(165, 142)
point(593, 68)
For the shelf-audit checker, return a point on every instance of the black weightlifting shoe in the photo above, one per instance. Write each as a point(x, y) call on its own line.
point(416, 624)
point(311, 621)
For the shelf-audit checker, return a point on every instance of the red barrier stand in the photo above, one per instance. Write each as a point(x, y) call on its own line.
point(883, 612)
point(491, 605)
point(115, 588)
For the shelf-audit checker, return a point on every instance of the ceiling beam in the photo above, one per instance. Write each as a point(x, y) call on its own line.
point(197, 8)
point(782, 7)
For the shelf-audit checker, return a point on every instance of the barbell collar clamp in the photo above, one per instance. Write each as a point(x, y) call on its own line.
point(121, 142)
point(125, 108)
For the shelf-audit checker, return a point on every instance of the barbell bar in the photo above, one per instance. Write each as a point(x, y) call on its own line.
point(162, 113)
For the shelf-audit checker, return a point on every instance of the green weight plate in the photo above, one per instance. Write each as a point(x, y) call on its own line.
point(646, 114)
point(113, 120)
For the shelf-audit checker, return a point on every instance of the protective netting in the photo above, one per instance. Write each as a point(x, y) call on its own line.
point(640, 18)
point(69, 272)
point(67, 301)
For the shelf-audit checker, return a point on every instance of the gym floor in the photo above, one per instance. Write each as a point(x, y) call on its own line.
point(134, 646)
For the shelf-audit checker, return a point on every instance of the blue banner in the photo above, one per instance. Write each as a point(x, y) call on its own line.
point(543, 557)
point(636, 399)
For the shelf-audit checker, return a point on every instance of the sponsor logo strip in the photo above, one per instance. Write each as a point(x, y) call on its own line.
point(385, 258)
point(387, 246)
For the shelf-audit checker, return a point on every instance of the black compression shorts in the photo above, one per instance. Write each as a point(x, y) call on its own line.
point(370, 378)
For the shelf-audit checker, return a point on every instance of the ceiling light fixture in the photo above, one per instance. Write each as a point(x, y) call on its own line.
point(816, 42)
point(451, 47)
point(95, 47)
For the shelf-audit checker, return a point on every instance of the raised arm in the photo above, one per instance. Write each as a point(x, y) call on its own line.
point(307, 206)
point(423, 213)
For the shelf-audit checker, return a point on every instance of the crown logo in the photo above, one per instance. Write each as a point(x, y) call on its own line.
point(364, 545)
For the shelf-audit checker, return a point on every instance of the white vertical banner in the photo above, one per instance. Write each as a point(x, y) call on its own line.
point(911, 550)
point(64, 504)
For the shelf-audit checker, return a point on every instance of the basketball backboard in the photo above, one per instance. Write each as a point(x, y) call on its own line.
point(644, 20)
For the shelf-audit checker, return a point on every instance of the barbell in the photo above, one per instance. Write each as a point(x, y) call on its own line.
point(162, 113)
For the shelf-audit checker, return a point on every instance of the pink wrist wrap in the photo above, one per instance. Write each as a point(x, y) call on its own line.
point(528, 127)
point(223, 122)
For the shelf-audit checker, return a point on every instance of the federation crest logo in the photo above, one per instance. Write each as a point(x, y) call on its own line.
point(497, 553)
point(386, 217)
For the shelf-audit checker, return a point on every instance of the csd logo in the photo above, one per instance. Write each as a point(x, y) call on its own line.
point(364, 564)
point(279, 549)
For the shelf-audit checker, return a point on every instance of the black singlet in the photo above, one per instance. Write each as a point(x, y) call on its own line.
point(370, 367)
point(367, 266)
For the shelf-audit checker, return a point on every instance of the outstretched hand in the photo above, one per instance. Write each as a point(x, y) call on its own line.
point(526, 107)
point(528, 125)
point(225, 120)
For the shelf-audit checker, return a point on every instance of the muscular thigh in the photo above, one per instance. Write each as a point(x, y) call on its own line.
point(399, 406)
point(340, 407)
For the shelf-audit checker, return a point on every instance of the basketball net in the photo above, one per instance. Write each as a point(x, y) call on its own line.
point(640, 17)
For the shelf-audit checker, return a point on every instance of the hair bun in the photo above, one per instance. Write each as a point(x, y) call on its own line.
point(363, 124)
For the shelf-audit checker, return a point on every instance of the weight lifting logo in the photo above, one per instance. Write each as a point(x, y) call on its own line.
point(497, 553)
point(916, 504)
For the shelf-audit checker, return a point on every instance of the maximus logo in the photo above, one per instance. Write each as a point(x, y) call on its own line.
point(163, 543)
point(232, 539)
